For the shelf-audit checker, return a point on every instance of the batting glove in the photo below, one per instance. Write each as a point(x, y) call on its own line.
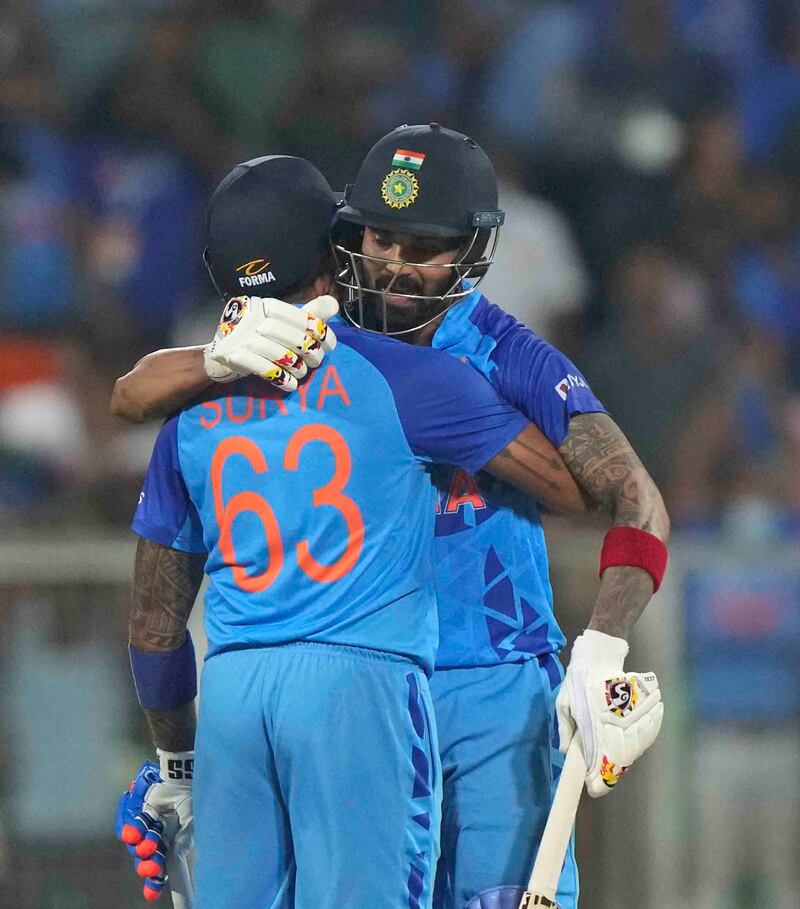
point(155, 815)
point(616, 714)
point(271, 339)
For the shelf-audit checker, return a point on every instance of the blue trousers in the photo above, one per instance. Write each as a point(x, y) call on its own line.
point(317, 781)
point(498, 744)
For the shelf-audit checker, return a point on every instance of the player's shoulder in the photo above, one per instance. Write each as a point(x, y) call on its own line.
point(493, 321)
point(382, 350)
point(412, 371)
point(512, 346)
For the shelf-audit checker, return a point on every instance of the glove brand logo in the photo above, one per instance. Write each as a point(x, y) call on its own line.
point(232, 315)
point(255, 272)
point(622, 695)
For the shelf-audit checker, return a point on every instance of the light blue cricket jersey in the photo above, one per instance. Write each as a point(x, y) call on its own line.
point(316, 509)
point(492, 586)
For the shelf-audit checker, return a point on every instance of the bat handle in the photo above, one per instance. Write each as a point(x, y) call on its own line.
point(558, 830)
point(180, 880)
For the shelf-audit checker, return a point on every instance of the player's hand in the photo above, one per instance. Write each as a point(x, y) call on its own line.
point(271, 339)
point(617, 714)
point(156, 815)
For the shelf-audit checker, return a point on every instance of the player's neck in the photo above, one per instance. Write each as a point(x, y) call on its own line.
point(424, 336)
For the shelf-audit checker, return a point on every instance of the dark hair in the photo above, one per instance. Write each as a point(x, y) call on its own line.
point(298, 292)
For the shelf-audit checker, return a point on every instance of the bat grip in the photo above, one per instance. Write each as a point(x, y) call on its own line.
point(558, 830)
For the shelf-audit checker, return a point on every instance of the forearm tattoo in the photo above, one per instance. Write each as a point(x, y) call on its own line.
point(518, 453)
point(165, 586)
point(624, 594)
point(173, 730)
point(611, 475)
point(613, 478)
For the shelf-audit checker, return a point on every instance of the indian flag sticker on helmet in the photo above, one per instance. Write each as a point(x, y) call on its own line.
point(399, 189)
point(410, 159)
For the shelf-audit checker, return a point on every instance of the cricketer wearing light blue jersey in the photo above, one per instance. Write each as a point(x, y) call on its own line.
point(496, 671)
point(317, 775)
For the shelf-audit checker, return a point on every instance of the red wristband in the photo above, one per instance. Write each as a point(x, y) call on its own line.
point(636, 549)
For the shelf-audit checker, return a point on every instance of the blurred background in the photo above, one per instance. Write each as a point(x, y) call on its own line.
point(649, 154)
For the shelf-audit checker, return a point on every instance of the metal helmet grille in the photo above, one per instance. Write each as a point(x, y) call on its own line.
point(361, 299)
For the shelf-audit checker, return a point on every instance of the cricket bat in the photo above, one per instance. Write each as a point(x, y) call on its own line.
point(543, 883)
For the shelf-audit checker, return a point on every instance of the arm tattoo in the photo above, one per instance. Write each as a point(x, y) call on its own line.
point(165, 587)
point(516, 457)
point(613, 478)
point(173, 730)
point(611, 475)
point(530, 463)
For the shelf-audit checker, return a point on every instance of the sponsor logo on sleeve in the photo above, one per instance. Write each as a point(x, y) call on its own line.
point(568, 382)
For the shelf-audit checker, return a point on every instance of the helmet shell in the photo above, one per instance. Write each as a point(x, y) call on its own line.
point(425, 180)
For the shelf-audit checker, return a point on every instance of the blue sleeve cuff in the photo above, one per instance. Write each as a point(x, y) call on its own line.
point(165, 681)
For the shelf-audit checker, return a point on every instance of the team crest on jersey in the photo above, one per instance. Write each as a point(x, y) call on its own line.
point(399, 189)
point(232, 315)
point(622, 695)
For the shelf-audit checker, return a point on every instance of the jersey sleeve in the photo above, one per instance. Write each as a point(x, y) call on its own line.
point(542, 383)
point(165, 513)
point(449, 413)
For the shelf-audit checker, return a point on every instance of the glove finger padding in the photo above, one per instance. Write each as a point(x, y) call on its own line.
point(324, 308)
point(278, 354)
point(628, 714)
point(303, 343)
point(249, 363)
point(309, 319)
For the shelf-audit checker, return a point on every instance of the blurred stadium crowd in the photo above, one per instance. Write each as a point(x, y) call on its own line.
point(649, 153)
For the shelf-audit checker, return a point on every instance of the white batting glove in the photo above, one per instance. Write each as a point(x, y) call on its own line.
point(616, 714)
point(271, 339)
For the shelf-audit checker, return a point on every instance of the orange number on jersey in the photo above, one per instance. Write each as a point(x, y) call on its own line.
point(329, 494)
point(332, 493)
point(245, 501)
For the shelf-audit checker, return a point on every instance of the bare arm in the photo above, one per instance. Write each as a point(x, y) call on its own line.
point(533, 465)
point(614, 480)
point(159, 384)
point(165, 586)
point(596, 465)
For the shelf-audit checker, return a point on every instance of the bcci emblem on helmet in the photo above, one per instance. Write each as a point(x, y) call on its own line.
point(399, 189)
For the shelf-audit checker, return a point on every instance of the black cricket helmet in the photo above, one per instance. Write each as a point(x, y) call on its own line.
point(425, 181)
point(267, 227)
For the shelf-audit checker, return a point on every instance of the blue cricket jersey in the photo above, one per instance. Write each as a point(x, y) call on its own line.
point(316, 509)
point(492, 585)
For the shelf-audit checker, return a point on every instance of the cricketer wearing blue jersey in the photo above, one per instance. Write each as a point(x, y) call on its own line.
point(317, 779)
point(497, 675)
point(496, 671)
